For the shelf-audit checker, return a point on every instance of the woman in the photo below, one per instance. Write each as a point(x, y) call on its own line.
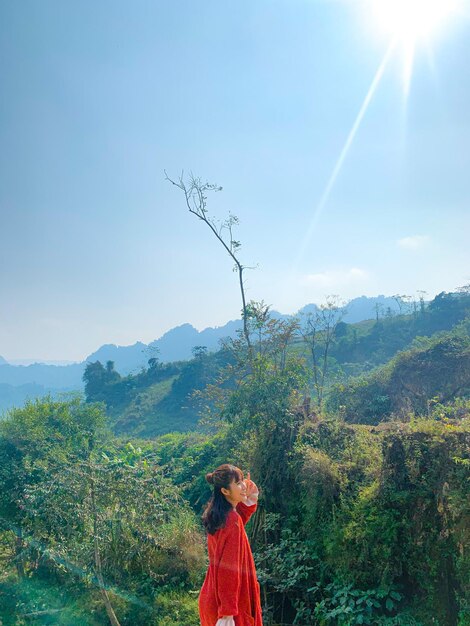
point(230, 595)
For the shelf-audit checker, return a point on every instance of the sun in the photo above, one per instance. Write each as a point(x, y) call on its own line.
point(405, 23)
point(412, 23)
point(411, 20)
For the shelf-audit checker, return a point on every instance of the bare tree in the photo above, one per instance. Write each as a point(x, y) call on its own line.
point(378, 310)
point(399, 300)
point(97, 557)
point(271, 337)
point(318, 332)
point(405, 303)
point(422, 302)
point(408, 304)
point(195, 193)
point(464, 289)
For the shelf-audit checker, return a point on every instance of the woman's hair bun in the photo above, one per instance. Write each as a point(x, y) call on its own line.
point(210, 478)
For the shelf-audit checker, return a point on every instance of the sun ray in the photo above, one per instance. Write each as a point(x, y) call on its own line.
point(339, 163)
point(412, 23)
point(72, 567)
point(412, 19)
point(408, 55)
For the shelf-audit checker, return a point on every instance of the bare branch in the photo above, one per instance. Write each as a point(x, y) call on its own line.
point(196, 201)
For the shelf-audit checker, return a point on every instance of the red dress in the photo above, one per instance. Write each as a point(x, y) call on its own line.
point(231, 586)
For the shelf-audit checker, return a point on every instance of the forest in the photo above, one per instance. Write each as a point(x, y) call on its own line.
point(358, 436)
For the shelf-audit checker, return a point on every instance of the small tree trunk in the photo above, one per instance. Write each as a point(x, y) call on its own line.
point(19, 545)
point(245, 321)
point(99, 572)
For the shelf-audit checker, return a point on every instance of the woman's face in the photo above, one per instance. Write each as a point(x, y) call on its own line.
point(236, 493)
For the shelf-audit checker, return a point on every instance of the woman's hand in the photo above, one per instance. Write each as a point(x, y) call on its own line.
point(227, 620)
point(252, 491)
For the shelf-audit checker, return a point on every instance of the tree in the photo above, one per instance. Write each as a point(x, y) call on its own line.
point(401, 302)
point(378, 310)
point(78, 502)
point(199, 352)
point(422, 303)
point(97, 378)
point(39, 433)
point(319, 333)
point(195, 193)
point(153, 363)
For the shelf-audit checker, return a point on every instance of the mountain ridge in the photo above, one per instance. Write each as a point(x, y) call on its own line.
point(175, 344)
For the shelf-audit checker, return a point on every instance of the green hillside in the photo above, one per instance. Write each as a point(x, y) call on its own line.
point(159, 399)
point(434, 370)
point(162, 399)
point(363, 514)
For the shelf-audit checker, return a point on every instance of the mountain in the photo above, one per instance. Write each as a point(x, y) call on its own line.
point(126, 359)
point(42, 361)
point(50, 376)
point(11, 395)
point(174, 345)
point(433, 369)
point(177, 343)
point(376, 367)
point(364, 308)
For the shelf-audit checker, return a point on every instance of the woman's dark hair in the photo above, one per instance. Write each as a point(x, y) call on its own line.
point(218, 507)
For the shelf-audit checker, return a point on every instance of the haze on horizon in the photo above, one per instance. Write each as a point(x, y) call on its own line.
point(261, 98)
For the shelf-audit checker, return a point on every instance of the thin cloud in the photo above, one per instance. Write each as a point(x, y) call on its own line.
point(336, 278)
point(415, 242)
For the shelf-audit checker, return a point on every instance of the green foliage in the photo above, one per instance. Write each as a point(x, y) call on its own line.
point(79, 506)
point(170, 397)
point(177, 608)
point(157, 400)
point(401, 520)
point(264, 418)
point(187, 457)
point(357, 523)
point(32, 600)
point(98, 379)
point(346, 606)
point(284, 565)
point(436, 369)
point(377, 342)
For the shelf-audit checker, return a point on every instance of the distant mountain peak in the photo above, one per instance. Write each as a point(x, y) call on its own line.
point(176, 343)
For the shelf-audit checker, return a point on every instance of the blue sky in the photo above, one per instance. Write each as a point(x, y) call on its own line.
point(98, 98)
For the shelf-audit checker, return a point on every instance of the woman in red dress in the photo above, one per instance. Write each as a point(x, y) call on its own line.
point(230, 595)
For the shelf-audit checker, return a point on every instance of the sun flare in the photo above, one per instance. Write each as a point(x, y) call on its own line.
point(411, 24)
point(410, 20)
point(407, 25)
